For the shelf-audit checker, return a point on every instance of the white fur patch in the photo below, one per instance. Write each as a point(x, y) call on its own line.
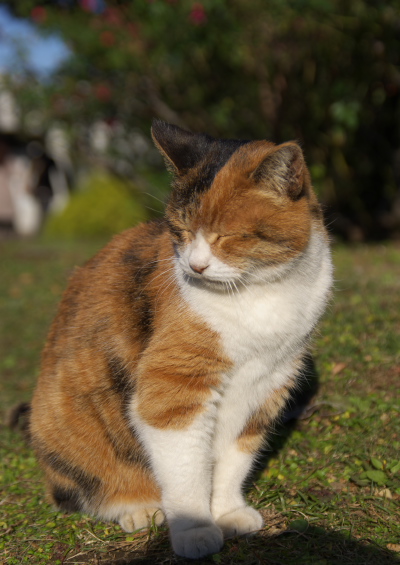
point(198, 255)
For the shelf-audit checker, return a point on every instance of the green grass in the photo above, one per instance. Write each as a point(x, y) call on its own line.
point(329, 488)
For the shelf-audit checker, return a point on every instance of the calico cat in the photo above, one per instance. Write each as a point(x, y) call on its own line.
point(176, 347)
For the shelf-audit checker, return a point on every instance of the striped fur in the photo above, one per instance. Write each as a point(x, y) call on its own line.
point(175, 348)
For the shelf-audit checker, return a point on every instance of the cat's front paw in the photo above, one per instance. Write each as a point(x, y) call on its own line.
point(240, 522)
point(197, 542)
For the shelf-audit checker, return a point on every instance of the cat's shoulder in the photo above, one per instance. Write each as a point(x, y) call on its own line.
point(129, 249)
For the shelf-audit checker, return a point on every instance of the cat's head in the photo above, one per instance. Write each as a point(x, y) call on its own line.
point(238, 209)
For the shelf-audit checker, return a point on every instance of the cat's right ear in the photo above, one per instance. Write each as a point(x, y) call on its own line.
point(180, 148)
point(284, 169)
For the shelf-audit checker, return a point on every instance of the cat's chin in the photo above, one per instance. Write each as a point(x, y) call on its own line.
point(205, 282)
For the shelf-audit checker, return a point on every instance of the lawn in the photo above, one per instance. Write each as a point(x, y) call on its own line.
point(329, 487)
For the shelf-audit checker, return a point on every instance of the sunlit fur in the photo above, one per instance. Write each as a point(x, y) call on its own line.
point(175, 348)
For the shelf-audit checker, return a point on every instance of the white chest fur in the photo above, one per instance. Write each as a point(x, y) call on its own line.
point(263, 325)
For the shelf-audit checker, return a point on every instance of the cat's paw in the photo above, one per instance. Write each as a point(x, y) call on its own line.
point(141, 518)
point(240, 522)
point(197, 542)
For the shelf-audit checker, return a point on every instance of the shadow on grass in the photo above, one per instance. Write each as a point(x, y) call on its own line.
point(314, 546)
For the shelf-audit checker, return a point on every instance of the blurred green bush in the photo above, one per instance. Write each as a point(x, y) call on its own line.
point(101, 206)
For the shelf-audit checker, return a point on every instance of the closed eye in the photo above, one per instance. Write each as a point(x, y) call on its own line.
point(218, 237)
point(257, 235)
point(241, 235)
point(238, 236)
point(223, 236)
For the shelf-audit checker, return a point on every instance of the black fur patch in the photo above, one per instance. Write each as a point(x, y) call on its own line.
point(141, 268)
point(143, 316)
point(130, 452)
point(146, 316)
point(67, 499)
point(175, 231)
point(18, 418)
point(121, 380)
point(217, 154)
point(88, 484)
point(128, 449)
point(140, 300)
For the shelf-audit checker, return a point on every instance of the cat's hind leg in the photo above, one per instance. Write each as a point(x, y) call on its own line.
point(128, 506)
point(139, 517)
point(133, 499)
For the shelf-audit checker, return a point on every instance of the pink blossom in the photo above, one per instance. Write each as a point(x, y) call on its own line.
point(89, 5)
point(198, 14)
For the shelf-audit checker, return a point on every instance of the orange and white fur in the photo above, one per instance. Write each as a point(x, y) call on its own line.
point(176, 347)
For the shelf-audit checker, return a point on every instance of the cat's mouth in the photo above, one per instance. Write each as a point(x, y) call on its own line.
point(204, 281)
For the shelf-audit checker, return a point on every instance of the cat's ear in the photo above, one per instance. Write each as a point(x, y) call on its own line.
point(283, 170)
point(180, 148)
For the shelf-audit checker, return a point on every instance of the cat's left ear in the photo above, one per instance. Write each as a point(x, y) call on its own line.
point(180, 148)
point(283, 170)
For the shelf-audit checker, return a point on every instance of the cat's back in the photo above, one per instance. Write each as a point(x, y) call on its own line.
point(107, 306)
point(131, 255)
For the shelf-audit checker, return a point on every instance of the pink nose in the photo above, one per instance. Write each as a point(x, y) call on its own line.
point(198, 269)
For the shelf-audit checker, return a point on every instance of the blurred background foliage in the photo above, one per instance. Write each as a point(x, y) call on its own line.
point(323, 72)
point(101, 206)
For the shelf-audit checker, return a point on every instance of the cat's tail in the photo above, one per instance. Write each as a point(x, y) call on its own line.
point(18, 418)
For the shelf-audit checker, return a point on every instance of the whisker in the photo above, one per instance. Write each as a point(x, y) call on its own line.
point(158, 276)
point(149, 263)
point(155, 197)
point(155, 261)
point(236, 288)
point(229, 290)
point(242, 300)
point(168, 283)
point(243, 281)
point(153, 209)
point(163, 273)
